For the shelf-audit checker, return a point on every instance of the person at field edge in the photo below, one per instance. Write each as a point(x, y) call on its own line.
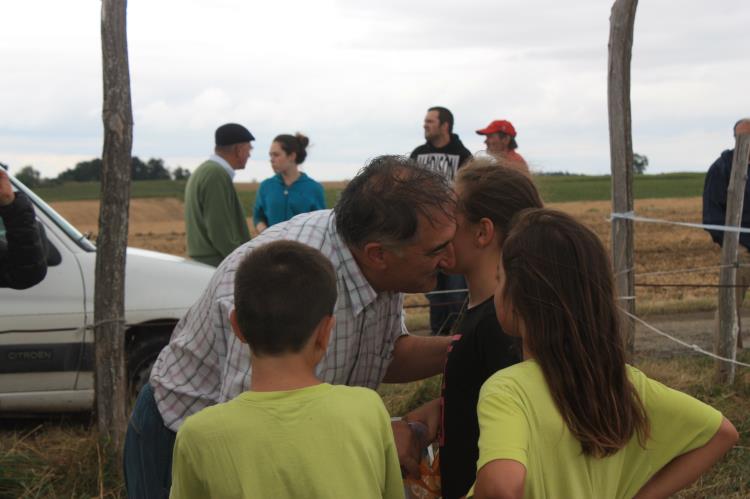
point(444, 153)
point(573, 419)
point(23, 255)
point(289, 192)
point(215, 223)
point(715, 212)
point(390, 232)
point(489, 195)
point(317, 439)
point(500, 139)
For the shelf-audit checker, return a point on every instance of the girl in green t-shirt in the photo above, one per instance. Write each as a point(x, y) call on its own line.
point(573, 419)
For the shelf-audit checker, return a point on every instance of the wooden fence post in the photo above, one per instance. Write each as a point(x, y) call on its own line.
point(109, 293)
point(726, 339)
point(622, 20)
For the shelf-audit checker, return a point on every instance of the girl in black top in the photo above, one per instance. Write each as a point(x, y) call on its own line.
point(488, 196)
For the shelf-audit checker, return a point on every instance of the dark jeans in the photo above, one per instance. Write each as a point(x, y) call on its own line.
point(147, 457)
point(446, 307)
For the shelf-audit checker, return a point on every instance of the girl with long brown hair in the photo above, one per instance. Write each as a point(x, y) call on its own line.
point(573, 419)
point(488, 196)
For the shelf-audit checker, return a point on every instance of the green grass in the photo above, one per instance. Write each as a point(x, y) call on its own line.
point(63, 458)
point(554, 189)
point(730, 478)
point(78, 191)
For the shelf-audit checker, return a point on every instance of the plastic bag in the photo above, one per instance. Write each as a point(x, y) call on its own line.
point(428, 484)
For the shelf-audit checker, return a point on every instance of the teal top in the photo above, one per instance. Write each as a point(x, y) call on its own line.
point(215, 222)
point(276, 202)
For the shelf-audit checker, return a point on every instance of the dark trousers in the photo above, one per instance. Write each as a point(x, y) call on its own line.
point(446, 307)
point(147, 458)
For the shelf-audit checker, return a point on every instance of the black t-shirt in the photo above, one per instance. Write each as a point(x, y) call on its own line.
point(482, 349)
point(444, 160)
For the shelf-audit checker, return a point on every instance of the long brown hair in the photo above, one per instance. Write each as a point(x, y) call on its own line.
point(558, 282)
point(496, 192)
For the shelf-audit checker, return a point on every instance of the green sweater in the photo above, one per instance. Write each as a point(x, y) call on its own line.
point(215, 222)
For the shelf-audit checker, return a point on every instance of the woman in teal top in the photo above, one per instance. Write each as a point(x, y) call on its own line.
point(289, 192)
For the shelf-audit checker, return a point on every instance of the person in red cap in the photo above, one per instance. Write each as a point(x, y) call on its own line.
point(500, 139)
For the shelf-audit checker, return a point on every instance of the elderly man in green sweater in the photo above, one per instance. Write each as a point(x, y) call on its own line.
point(215, 222)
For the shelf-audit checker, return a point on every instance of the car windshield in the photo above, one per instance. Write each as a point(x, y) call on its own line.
point(39, 204)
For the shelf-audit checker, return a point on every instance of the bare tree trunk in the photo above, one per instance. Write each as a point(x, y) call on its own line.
point(726, 340)
point(622, 20)
point(109, 294)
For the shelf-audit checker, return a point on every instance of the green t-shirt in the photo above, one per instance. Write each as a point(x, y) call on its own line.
point(519, 420)
point(321, 441)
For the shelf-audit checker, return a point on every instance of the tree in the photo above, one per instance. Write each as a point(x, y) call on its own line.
point(91, 171)
point(84, 171)
point(30, 177)
point(640, 163)
point(155, 170)
point(181, 173)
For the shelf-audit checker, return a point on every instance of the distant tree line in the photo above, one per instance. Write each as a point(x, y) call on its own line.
point(91, 171)
point(558, 173)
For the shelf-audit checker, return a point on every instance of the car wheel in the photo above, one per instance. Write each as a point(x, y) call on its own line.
point(141, 357)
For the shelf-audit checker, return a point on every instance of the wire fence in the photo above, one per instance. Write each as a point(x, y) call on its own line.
point(632, 216)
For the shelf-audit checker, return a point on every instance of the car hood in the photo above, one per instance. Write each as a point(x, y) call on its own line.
point(155, 281)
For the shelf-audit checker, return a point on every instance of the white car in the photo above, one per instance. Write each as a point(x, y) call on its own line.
point(46, 334)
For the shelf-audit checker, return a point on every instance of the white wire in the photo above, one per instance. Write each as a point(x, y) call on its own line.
point(630, 215)
point(679, 341)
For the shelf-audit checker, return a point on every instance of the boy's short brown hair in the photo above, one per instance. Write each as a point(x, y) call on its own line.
point(282, 290)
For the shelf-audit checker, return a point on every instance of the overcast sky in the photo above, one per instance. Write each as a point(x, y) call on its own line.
point(357, 76)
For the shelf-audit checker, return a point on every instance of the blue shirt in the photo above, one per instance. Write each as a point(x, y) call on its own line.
point(276, 202)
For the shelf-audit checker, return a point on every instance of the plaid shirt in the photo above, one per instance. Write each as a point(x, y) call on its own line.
point(205, 364)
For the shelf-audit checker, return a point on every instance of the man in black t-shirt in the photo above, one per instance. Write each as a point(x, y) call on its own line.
point(443, 152)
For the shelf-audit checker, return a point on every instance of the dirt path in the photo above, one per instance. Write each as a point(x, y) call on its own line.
point(695, 328)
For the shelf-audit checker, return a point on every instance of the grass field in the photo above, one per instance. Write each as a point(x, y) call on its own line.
point(554, 189)
point(598, 188)
point(61, 457)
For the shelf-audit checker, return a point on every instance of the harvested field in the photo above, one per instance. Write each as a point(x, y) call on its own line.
point(157, 224)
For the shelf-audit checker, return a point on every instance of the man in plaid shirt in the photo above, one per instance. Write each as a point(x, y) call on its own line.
point(390, 233)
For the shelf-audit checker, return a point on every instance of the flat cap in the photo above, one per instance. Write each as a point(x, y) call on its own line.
point(232, 133)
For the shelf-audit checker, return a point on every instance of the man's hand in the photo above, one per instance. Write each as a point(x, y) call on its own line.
point(7, 195)
point(408, 448)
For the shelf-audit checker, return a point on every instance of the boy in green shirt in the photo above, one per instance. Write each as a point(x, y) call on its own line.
point(290, 435)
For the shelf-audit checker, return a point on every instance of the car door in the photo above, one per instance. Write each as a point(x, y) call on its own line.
point(42, 328)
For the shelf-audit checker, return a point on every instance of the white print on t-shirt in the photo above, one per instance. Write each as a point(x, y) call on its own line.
point(444, 164)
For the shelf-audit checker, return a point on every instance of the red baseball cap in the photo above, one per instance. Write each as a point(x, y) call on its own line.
point(498, 126)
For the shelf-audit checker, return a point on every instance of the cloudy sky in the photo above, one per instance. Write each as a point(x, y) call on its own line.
point(357, 76)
